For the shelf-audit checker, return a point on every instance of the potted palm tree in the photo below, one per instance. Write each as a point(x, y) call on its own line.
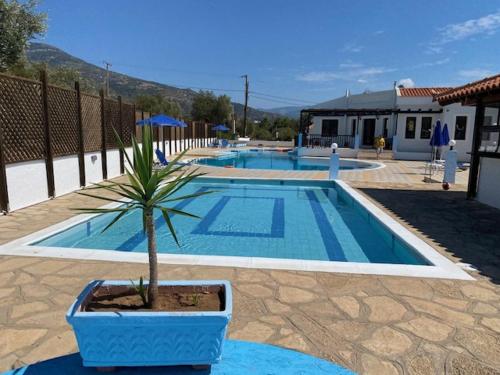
point(150, 323)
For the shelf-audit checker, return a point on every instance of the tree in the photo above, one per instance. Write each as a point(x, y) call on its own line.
point(158, 104)
point(203, 106)
point(19, 22)
point(147, 190)
point(223, 109)
point(210, 108)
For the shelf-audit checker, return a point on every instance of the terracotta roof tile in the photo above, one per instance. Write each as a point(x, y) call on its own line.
point(474, 88)
point(423, 91)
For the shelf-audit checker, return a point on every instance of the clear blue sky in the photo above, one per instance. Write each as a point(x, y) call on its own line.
point(308, 51)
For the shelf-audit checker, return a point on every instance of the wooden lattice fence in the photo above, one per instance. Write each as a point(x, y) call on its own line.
point(39, 121)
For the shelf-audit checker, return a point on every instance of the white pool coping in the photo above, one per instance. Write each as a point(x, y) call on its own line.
point(441, 267)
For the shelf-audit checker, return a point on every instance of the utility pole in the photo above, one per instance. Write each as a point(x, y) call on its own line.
point(246, 105)
point(107, 76)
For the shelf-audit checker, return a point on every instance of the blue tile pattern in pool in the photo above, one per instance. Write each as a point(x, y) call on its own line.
point(278, 160)
point(273, 219)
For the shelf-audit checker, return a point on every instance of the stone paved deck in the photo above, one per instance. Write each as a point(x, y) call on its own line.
point(371, 324)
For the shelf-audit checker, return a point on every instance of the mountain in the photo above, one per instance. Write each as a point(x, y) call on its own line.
point(291, 111)
point(121, 84)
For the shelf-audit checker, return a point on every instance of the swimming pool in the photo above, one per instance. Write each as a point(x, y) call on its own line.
point(259, 159)
point(312, 222)
point(306, 225)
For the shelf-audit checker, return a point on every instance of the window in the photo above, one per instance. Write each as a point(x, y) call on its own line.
point(410, 127)
point(329, 128)
point(353, 126)
point(460, 128)
point(488, 120)
point(386, 128)
point(426, 129)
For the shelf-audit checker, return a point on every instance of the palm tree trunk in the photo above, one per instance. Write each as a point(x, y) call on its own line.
point(153, 261)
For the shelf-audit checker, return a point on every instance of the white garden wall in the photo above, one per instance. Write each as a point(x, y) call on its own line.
point(488, 190)
point(26, 183)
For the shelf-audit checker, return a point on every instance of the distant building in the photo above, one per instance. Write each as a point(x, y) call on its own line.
point(405, 117)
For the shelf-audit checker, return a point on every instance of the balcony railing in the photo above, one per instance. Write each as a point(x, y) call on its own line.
point(345, 141)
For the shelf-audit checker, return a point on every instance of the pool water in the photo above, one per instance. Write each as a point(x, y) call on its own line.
point(278, 160)
point(250, 218)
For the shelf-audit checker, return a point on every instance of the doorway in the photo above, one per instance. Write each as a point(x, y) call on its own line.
point(368, 132)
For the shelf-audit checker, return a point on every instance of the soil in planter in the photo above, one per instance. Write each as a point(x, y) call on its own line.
point(171, 298)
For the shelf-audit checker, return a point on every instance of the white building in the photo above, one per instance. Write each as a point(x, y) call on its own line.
point(404, 116)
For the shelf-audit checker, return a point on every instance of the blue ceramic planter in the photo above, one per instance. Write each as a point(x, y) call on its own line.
point(108, 339)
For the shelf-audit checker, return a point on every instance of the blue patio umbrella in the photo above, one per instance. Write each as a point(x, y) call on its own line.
point(445, 135)
point(437, 136)
point(162, 120)
point(220, 128)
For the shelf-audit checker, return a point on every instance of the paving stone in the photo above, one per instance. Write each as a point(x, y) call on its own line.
point(273, 319)
point(492, 323)
point(47, 267)
point(479, 293)
point(286, 331)
point(349, 329)
point(464, 365)
point(426, 328)
point(347, 304)
point(276, 307)
point(484, 308)
point(384, 309)
point(387, 341)
point(6, 278)
point(24, 278)
point(456, 304)
point(56, 346)
point(291, 279)
point(5, 292)
point(375, 366)
point(12, 340)
point(408, 287)
point(253, 276)
point(295, 342)
point(480, 344)
point(27, 308)
point(256, 290)
point(16, 263)
point(420, 364)
point(447, 315)
point(254, 331)
point(35, 291)
point(50, 319)
point(290, 294)
point(321, 308)
point(9, 362)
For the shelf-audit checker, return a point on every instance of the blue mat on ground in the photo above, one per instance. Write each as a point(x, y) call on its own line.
point(239, 358)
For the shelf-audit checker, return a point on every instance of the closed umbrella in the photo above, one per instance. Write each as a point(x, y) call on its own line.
point(445, 135)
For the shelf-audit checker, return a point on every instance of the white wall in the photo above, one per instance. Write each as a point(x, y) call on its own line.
point(489, 182)
point(271, 143)
point(66, 174)
point(26, 183)
point(93, 167)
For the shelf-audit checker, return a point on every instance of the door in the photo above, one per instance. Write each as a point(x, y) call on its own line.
point(368, 131)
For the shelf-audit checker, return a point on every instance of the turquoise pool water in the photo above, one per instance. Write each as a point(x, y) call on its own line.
point(313, 220)
point(278, 160)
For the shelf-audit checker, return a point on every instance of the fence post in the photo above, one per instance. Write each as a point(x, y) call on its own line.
point(169, 141)
point(104, 157)
point(175, 138)
point(120, 132)
point(49, 163)
point(81, 150)
point(4, 193)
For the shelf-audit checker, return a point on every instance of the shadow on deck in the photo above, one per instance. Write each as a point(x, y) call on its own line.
point(467, 229)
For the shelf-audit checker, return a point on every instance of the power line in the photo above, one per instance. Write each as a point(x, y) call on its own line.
point(282, 97)
point(276, 100)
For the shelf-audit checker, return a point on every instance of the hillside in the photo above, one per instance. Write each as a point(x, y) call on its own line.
point(121, 84)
